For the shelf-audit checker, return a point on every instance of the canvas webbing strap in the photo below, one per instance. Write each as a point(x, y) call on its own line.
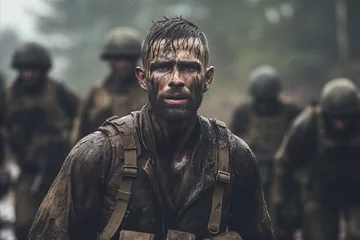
point(129, 172)
point(222, 179)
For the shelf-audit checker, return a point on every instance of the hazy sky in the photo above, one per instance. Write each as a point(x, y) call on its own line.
point(14, 13)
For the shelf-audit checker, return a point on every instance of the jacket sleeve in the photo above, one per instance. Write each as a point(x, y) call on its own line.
point(83, 126)
point(250, 217)
point(295, 152)
point(71, 208)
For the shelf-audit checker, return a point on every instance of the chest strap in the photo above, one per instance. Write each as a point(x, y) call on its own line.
point(129, 171)
point(222, 179)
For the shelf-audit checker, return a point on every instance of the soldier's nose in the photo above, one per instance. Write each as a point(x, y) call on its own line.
point(177, 83)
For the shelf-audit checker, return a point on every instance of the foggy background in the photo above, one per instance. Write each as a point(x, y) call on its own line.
point(308, 41)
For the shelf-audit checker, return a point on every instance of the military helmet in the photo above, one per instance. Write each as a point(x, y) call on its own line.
point(265, 82)
point(122, 42)
point(340, 97)
point(31, 54)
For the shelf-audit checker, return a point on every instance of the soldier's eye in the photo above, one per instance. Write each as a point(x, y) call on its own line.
point(162, 67)
point(189, 67)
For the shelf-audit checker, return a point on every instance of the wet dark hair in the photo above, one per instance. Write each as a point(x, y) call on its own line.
point(170, 29)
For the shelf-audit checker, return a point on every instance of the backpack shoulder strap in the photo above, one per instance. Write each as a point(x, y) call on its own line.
point(222, 177)
point(114, 127)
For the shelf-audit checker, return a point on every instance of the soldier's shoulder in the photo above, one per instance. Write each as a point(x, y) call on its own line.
point(305, 117)
point(243, 159)
point(91, 148)
point(61, 87)
point(8, 91)
point(96, 89)
point(304, 123)
point(235, 143)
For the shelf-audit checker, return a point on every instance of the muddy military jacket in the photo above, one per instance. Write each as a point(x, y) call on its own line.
point(325, 167)
point(103, 102)
point(83, 195)
point(36, 124)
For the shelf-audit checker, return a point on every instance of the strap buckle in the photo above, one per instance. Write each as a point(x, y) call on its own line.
point(223, 177)
point(130, 170)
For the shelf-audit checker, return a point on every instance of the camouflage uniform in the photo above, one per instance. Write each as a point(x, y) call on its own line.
point(105, 100)
point(102, 168)
point(263, 129)
point(324, 164)
point(36, 121)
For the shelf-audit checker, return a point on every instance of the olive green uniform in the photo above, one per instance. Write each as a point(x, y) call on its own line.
point(37, 128)
point(263, 121)
point(36, 122)
point(105, 100)
point(263, 132)
point(324, 166)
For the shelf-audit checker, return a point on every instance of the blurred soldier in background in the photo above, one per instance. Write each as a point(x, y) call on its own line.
point(36, 119)
point(119, 93)
point(263, 121)
point(321, 154)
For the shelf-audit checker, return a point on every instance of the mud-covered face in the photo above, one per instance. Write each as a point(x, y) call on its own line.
point(176, 78)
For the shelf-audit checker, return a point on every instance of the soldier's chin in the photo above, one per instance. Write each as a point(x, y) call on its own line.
point(175, 114)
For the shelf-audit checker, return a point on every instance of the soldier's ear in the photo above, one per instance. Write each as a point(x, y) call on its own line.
point(140, 74)
point(209, 76)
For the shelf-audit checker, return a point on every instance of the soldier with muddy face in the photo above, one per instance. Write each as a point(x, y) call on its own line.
point(119, 93)
point(321, 154)
point(36, 119)
point(163, 172)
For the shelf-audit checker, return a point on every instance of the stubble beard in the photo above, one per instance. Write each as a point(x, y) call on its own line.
point(174, 113)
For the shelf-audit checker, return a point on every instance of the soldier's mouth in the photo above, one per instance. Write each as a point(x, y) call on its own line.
point(176, 101)
point(176, 98)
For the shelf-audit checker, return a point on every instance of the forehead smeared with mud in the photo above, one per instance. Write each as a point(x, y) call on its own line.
point(171, 34)
point(179, 48)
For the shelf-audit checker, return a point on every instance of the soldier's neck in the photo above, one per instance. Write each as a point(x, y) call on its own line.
point(172, 138)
